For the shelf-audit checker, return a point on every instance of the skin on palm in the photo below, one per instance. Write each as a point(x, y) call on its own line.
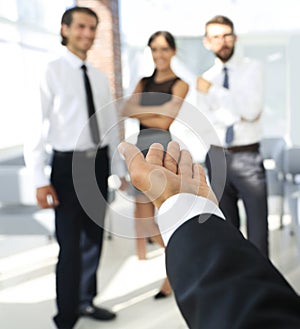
point(160, 177)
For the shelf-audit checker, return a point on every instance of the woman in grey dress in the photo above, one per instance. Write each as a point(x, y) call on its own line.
point(155, 102)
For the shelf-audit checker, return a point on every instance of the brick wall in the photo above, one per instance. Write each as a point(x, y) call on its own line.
point(106, 51)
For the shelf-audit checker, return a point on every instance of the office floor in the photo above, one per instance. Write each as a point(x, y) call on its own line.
point(127, 285)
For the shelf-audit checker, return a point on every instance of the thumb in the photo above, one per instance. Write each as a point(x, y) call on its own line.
point(131, 154)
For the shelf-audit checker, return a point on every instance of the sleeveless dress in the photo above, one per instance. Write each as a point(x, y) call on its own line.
point(153, 94)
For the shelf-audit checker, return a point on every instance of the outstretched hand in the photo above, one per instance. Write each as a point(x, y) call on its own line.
point(159, 175)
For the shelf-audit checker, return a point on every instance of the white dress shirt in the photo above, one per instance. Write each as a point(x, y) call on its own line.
point(63, 121)
point(240, 105)
point(179, 208)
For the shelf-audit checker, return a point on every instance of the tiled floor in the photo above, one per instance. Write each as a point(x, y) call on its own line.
point(127, 285)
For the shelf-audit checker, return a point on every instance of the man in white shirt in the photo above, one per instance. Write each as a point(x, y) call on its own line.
point(77, 188)
point(233, 92)
point(220, 280)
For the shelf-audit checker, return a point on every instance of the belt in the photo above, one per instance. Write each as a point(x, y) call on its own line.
point(90, 153)
point(242, 148)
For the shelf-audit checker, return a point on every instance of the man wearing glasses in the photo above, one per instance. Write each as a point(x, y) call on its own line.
point(233, 92)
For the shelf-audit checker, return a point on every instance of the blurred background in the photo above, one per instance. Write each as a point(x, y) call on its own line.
point(268, 30)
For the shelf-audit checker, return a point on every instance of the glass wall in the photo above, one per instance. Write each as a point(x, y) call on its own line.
point(193, 59)
point(29, 36)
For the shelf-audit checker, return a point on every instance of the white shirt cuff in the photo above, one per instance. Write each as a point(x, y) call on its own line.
point(179, 208)
point(41, 177)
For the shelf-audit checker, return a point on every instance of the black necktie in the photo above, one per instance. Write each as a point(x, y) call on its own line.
point(94, 129)
point(229, 131)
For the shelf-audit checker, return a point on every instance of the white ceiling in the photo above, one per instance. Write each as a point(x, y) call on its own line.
point(140, 18)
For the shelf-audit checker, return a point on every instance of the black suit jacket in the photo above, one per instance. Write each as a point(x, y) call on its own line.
point(221, 281)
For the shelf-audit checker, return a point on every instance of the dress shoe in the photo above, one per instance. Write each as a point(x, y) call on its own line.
point(97, 313)
point(161, 295)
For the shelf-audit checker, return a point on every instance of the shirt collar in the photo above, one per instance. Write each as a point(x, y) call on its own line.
point(231, 64)
point(74, 60)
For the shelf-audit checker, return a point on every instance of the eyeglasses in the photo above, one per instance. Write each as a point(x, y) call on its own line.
point(229, 37)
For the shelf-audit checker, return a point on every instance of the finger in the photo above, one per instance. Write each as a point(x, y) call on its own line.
point(55, 201)
point(131, 154)
point(203, 188)
point(185, 166)
point(198, 172)
point(172, 157)
point(155, 154)
point(43, 202)
point(137, 166)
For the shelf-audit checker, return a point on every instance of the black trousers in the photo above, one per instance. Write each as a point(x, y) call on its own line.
point(241, 175)
point(80, 181)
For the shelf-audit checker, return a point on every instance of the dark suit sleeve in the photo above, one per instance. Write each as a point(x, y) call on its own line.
point(221, 281)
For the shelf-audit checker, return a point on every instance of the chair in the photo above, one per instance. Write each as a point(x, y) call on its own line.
point(291, 169)
point(272, 151)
